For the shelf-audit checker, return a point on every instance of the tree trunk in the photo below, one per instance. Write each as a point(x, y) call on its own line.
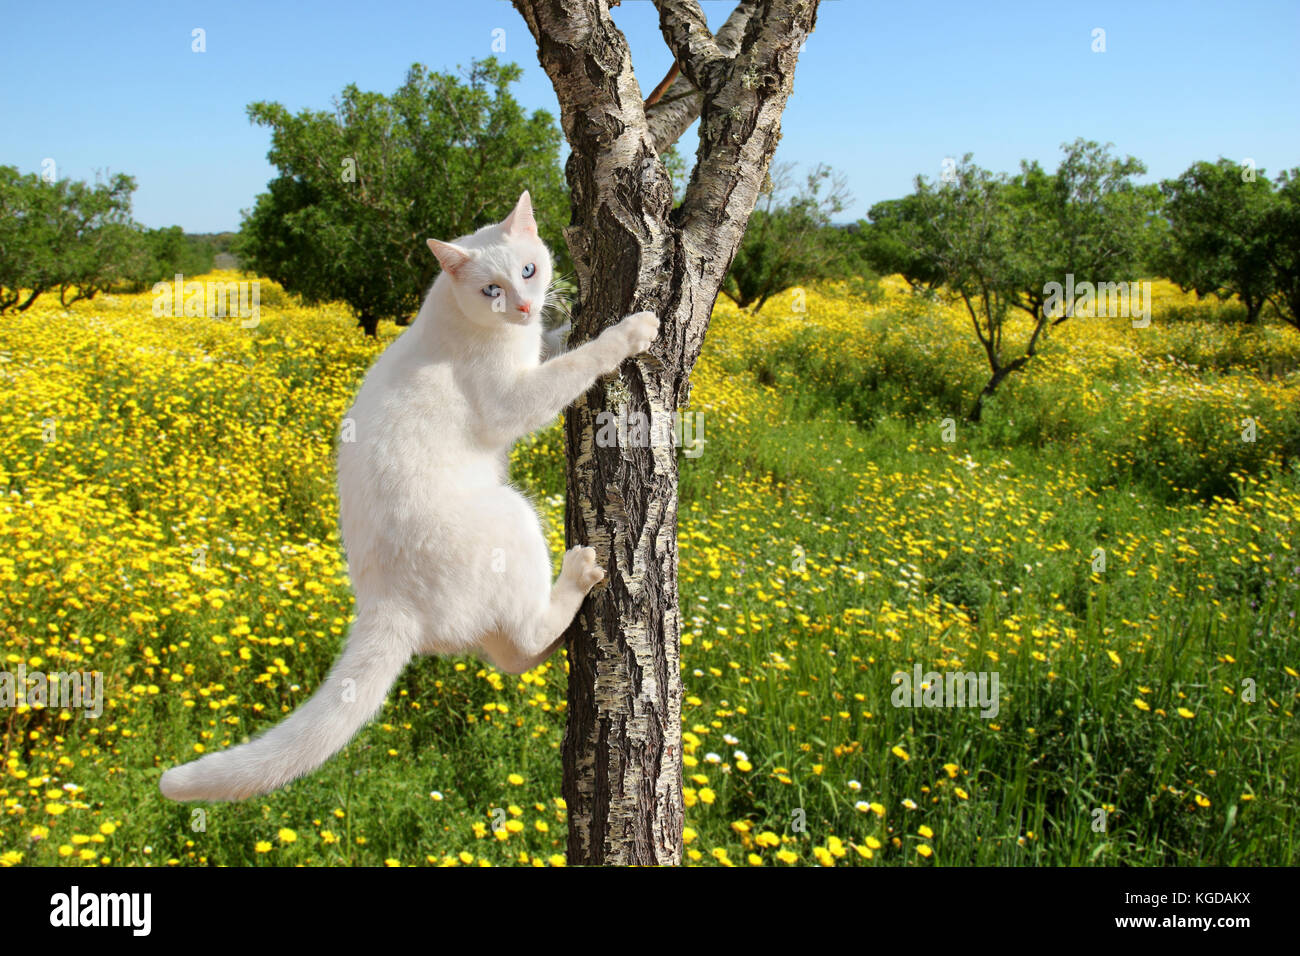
point(632, 251)
point(369, 323)
point(998, 377)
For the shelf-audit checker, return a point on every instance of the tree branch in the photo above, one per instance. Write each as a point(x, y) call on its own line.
point(657, 94)
point(687, 34)
point(681, 102)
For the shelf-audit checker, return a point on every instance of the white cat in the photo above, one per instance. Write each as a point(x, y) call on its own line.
point(444, 555)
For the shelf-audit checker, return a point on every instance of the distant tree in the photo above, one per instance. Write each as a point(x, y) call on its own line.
point(361, 188)
point(18, 230)
point(963, 231)
point(789, 239)
point(1282, 225)
point(101, 259)
point(998, 242)
point(1218, 241)
point(167, 252)
point(890, 243)
point(72, 237)
point(678, 172)
point(1089, 219)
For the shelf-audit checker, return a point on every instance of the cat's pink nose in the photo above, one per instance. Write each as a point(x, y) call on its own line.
point(525, 306)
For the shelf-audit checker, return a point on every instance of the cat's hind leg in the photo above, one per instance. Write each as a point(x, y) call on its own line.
point(522, 648)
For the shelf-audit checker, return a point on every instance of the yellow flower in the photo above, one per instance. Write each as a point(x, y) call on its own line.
point(515, 780)
point(925, 831)
point(261, 846)
point(924, 850)
point(900, 753)
point(287, 836)
point(1184, 712)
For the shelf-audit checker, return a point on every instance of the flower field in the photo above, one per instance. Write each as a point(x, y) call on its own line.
point(1119, 540)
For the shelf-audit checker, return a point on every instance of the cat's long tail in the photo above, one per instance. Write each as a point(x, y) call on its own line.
point(375, 654)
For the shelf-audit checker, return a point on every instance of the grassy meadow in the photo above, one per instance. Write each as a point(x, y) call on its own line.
point(1105, 540)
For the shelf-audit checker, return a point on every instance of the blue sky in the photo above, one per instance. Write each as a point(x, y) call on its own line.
point(883, 90)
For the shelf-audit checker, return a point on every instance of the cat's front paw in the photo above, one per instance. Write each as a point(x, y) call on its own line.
point(581, 568)
point(638, 331)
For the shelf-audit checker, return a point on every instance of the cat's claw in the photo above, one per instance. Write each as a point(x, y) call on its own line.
point(581, 568)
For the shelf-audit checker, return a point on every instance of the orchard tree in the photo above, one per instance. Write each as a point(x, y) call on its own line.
point(1219, 240)
point(632, 251)
point(789, 239)
point(998, 242)
point(68, 236)
point(1089, 219)
point(1282, 224)
point(361, 188)
point(891, 244)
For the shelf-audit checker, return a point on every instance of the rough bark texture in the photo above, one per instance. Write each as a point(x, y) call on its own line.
point(632, 251)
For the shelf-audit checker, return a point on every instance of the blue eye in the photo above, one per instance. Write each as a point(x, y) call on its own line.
point(529, 270)
point(492, 291)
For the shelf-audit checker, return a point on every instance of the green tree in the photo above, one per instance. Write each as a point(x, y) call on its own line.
point(789, 239)
point(167, 252)
point(999, 242)
point(1218, 241)
point(72, 237)
point(964, 232)
point(890, 243)
point(1089, 219)
point(361, 188)
point(1282, 226)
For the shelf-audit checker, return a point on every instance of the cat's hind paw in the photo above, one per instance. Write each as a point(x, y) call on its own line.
point(581, 568)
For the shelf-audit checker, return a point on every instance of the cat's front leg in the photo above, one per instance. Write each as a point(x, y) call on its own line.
point(545, 390)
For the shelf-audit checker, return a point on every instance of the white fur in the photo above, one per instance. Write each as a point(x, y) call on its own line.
point(445, 557)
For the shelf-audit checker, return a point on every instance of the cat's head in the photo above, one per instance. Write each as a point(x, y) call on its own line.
point(502, 272)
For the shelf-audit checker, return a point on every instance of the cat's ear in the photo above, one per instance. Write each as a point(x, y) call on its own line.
point(520, 221)
point(450, 256)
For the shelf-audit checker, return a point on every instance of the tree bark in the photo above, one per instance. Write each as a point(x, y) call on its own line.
point(632, 251)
